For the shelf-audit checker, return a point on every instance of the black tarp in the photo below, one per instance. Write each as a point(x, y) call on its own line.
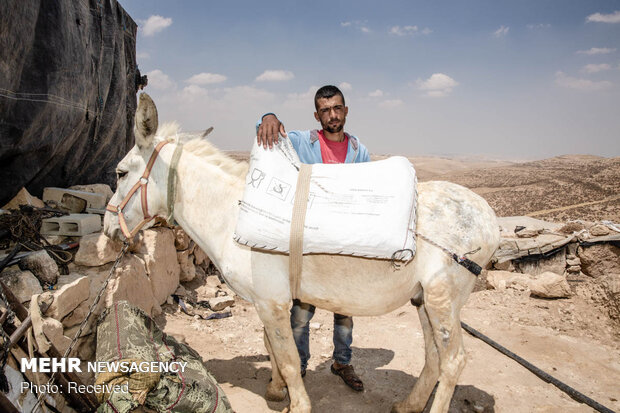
point(67, 92)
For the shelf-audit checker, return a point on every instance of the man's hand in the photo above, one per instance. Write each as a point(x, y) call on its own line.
point(268, 131)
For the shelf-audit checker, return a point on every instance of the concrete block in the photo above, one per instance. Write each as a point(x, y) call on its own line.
point(100, 211)
point(92, 200)
point(71, 225)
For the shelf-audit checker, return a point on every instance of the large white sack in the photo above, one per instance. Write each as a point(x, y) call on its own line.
point(363, 209)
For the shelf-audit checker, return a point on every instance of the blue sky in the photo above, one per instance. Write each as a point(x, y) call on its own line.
point(517, 80)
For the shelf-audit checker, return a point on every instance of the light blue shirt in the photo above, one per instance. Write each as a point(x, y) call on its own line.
point(308, 147)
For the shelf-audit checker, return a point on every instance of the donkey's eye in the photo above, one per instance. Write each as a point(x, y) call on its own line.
point(120, 174)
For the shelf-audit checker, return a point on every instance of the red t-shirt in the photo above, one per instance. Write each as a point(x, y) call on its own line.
point(333, 152)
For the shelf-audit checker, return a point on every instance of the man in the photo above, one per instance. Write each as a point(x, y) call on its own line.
point(331, 144)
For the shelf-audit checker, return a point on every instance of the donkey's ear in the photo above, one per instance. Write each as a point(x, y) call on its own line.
point(146, 122)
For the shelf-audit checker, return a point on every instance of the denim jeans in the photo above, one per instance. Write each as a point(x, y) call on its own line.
point(301, 314)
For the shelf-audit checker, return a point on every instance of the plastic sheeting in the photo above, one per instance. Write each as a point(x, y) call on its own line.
point(67, 92)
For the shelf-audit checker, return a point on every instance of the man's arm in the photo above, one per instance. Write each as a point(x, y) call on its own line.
point(267, 130)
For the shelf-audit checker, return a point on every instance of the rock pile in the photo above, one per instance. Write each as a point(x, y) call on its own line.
point(148, 276)
point(546, 257)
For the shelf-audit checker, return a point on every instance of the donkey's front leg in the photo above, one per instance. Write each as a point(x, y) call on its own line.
point(275, 317)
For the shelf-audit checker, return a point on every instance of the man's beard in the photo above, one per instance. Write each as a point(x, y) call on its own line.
point(333, 129)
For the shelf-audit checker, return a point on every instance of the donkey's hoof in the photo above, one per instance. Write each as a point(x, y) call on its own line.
point(275, 394)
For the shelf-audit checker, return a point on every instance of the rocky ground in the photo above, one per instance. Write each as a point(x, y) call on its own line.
point(569, 338)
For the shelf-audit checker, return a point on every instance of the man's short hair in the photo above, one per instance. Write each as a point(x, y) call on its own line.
point(327, 92)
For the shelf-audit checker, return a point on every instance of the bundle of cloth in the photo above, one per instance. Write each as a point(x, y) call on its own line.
point(171, 376)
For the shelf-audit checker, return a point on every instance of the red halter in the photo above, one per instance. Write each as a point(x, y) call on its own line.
point(141, 184)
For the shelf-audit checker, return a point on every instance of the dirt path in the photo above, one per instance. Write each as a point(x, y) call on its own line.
point(565, 208)
point(567, 338)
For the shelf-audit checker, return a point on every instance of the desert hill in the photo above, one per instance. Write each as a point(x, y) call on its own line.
point(559, 189)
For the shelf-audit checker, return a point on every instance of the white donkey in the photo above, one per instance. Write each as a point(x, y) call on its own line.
point(205, 202)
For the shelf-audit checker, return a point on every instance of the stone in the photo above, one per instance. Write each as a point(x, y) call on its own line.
point(181, 291)
point(572, 227)
point(213, 281)
point(550, 285)
point(78, 315)
point(86, 345)
point(315, 326)
point(201, 258)
point(570, 261)
point(571, 249)
point(220, 303)
point(73, 290)
point(157, 310)
point(53, 330)
point(55, 239)
point(501, 280)
point(555, 263)
point(97, 249)
point(504, 266)
point(599, 259)
point(598, 230)
point(574, 268)
point(42, 266)
point(186, 264)
point(206, 291)
point(610, 288)
point(181, 239)
point(527, 233)
point(96, 277)
point(132, 284)
point(155, 247)
point(102, 189)
point(22, 283)
point(23, 197)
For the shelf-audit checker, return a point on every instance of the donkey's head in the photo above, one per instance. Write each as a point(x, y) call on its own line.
point(141, 181)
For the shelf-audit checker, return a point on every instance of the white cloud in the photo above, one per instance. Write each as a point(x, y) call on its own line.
point(358, 24)
point(502, 31)
point(155, 24)
point(597, 50)
point(143, 55)
point(604, 18)
point(391, 103)
point(192, 91)
point(403, 31)
point(308, 95)
point(206, 79)
point(376, 94)
point(159, 80)
point(408, 30)
point(275, 76)
point(538, 26)
point(438, 85)
point(595, 68)
point(345, 86)
point(561, 79)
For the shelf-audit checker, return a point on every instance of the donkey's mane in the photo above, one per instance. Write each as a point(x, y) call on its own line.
point(202, 148)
